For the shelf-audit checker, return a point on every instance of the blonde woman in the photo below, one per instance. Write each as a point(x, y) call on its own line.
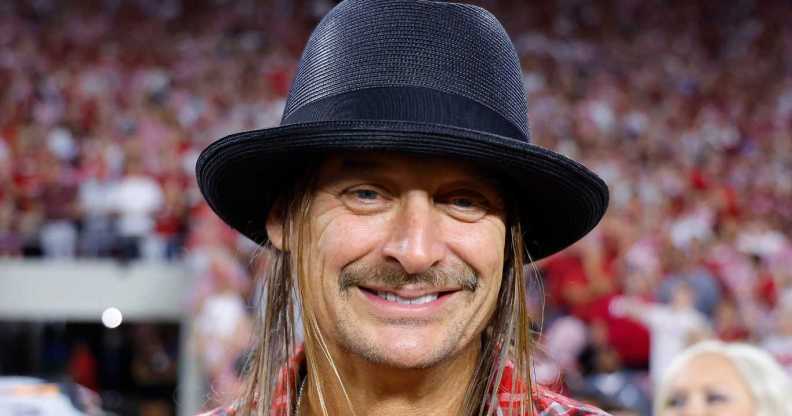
point(716, 378)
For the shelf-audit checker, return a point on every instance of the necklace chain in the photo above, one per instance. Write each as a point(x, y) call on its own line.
point(299, 397)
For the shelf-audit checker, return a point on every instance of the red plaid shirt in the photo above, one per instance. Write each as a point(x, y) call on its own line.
point(546, 402)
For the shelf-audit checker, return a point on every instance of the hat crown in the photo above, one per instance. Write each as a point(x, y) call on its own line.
point(411, 60)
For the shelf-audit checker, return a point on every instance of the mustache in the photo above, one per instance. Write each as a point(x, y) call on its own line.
point(393, 275)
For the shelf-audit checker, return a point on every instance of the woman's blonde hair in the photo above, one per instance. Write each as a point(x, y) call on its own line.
point(770, 386)
point(507, 338)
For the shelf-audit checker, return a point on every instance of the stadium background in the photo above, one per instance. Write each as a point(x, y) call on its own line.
point(683, 107)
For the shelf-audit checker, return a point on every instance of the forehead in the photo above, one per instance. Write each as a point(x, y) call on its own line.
point(708, 369)
point(416, 169)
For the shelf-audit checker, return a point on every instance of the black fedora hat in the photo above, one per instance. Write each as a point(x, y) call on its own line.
point(411, 76)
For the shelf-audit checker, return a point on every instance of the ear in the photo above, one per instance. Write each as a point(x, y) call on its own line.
point(275, 224)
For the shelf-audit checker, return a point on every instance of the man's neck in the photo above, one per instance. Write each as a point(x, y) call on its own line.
point(380, 390)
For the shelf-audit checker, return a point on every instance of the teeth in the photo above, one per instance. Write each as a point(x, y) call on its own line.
point(390, 297)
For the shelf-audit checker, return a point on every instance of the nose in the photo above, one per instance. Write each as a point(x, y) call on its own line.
point(413, 240)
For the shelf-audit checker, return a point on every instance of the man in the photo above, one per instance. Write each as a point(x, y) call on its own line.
point(400, 200)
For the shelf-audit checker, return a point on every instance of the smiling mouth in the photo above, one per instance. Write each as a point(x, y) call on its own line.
point(418, 300)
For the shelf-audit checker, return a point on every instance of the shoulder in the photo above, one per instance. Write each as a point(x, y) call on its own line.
point(549, 403)
point(545, 401)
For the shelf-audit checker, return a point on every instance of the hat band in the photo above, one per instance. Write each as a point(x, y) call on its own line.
point(404, 103)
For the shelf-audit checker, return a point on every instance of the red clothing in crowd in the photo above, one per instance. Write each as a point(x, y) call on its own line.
point(629, 338)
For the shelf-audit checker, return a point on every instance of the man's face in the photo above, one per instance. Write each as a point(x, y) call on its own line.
point(406, 256)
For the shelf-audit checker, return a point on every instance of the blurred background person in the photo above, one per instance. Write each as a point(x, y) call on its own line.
point(674, 326)
point(136, 198)
point(222, 326)
point(717, 378)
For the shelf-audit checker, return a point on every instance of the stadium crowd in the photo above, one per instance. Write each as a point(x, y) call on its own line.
point(684, 108)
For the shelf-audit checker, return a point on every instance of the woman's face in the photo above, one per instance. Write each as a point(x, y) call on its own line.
point(709, 385)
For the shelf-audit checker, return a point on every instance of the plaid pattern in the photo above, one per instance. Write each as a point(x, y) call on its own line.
point(546, 402)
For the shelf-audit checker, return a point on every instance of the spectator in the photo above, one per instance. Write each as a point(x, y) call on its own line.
point(58, 193)
point(99, 235)
point(729, 324)
point(689, 267)
point(673, 327)
point(718, 378)
point(136, 199)
point(222, 327)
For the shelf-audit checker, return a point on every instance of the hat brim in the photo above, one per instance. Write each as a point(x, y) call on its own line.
point(559, 200)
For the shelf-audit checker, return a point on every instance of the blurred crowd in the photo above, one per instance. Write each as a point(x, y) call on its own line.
point(686, 112)
point(105, 105)
point(684, 108)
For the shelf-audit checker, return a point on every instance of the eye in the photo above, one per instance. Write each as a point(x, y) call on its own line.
point(366, 194)
point(464, 205)
point(463, 202)
point(364, 199)
point(717, 398)
point(676, 401)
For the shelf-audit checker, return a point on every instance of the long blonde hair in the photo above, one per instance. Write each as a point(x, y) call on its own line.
point(508, 336)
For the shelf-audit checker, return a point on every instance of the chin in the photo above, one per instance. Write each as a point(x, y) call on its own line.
point(402, 348)
point(404, 358)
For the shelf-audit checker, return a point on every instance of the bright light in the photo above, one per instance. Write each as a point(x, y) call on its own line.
point(111, 317)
